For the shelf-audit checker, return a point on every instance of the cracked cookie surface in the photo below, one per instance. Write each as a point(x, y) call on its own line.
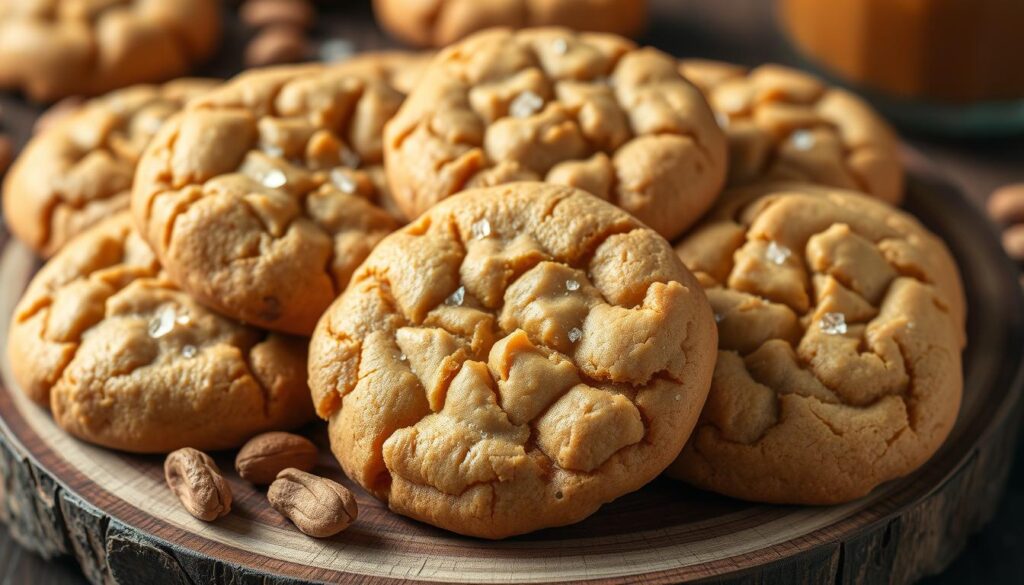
point(263, 196)
point(126, 360)
point(784, 124)
point(55, 48)
point(79, 172)
point(841, 322)
point(587, 110)
point(438, 23)
point(512, 360)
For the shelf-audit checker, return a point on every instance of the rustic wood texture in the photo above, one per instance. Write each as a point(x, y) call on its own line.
point(112, 514)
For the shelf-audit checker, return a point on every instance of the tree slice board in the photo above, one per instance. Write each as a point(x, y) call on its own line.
point(115, 515)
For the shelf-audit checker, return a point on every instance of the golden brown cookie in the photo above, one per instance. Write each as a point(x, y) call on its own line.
point(437, 23)
point(840, 323)
point(126, 360)
point(264, 196)
point(512, 360)
point(78, 172)
point(784, 124)
point(587, 110)
point(55, 48)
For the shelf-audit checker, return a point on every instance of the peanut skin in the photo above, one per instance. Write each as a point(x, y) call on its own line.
point(316, 505)
point(264, 456)
point(195, 479)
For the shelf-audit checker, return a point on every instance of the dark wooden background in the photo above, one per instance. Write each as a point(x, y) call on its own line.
point(743, 31)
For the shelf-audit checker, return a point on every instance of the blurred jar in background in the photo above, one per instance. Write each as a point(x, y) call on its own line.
point(950, 54)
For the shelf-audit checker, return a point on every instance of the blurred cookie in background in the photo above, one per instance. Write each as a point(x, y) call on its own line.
point(78, 168)
point(263, 196)
point(50, 49)
point(436, 23)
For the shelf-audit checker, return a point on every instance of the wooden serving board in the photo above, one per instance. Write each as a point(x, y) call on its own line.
point(115, 515)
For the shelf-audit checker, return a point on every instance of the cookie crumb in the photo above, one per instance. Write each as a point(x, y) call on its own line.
point(722, 119)
point(525, 105)
point(777, 253)
point(833, 324)
point(560, 46)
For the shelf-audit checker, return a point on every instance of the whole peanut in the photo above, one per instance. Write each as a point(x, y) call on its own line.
point(264, 456)
point(276, 45)
point(261, 13)
point(316, 505)
point(195, 479)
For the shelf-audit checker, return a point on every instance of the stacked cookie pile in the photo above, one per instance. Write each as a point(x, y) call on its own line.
point(517, 282)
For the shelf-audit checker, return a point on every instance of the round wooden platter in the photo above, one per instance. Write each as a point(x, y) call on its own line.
point(114, 514)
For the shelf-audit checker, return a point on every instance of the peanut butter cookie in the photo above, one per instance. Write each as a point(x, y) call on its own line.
point(512, 360)
point(785, 124)
point(126, 360)
point(78, 172)
point(840, 321)
point(55, 48)
point(587, 110)
point(264, 196)
point(437, 23)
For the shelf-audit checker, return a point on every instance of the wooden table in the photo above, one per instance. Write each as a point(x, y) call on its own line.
point(742, 31)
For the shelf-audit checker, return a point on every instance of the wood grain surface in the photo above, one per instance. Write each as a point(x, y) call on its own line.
point(114, 516)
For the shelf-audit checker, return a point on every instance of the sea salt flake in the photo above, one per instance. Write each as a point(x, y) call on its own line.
point(273, 150)
point(575, 334)
point(162, 323)
point(723, 119)
point(275, 179)
point(803, 139)
point(343, 181)
point(560, 46)
point(183, 319)
point(833, 324)
point(777, 253)
point(481, 229)
point(572, 285)
point(189, 351)
point(350, 158)
point(525, 105)
point(456, 298)
point(678, 397)
point(719, 317)
point(403, 358)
